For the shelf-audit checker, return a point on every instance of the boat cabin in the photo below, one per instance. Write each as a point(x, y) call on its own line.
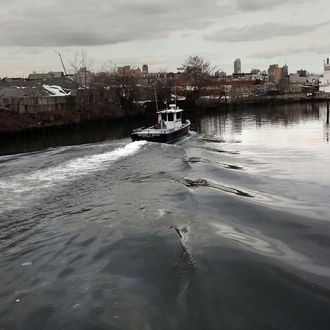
point(171, 117)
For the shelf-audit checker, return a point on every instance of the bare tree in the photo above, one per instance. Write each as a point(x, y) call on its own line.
point(82, 67)
point(161, 86)
point(81, 60)
point(101, 88)
point(125, 87)
point(197, 70)
point(115, 87)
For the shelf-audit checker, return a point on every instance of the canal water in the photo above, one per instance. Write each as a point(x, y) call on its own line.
point(229, 228)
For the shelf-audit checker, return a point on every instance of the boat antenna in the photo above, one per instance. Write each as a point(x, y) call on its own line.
point(156, 99)
point(175, 92)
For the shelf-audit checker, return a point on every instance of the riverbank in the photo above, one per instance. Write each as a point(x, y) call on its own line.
point(13, 123)
point(84, 132)
point(243, 101)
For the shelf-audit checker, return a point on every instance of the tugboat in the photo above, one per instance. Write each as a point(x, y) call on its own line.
point(169, 127)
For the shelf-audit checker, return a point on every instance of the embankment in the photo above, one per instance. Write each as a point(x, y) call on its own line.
point(12, 123)
point(242, 101)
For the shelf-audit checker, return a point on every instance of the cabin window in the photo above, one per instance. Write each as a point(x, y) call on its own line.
point(178, 115)
point(170, 116)
point(164, 116)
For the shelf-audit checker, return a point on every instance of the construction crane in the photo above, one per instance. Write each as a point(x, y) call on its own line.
point(61, 61)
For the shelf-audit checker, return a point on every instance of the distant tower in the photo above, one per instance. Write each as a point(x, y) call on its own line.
point(237, 66)
point(145, 69)
point(325, 80)
point(285, 71)
point(326, 65)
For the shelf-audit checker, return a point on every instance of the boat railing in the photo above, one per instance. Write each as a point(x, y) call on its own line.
point(139, 129)
point(158, 130)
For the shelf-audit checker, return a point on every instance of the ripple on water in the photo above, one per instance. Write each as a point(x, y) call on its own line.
point(254, 241)
point(208, 161)
point(196, 183)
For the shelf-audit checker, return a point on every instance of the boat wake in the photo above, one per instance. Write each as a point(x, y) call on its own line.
point(17, 189)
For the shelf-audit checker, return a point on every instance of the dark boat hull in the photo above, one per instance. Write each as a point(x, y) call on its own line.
point(162, 137)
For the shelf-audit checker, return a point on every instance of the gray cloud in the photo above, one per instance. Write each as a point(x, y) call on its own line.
point(251, 5)
point(285, 51)
point(100, 22)
point(260, 32)
point(259, 5)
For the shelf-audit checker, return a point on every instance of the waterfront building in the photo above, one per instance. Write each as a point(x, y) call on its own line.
point(284, 71)
point(303, 77)
point(274, 73)
point(255, 71)
point(237, 66)
point(303, 81)
point(83, 77)
point(220, 74)
point(302, 73)
point(126, 70)
point(49, 75)
point(325, 80)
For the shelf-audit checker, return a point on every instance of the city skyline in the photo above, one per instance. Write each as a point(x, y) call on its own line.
point(162, 34)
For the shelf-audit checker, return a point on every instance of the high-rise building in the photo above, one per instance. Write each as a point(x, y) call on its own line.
point(274, 73)
point(145, 68)
point(237, 66)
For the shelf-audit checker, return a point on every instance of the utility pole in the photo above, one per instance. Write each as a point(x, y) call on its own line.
point(61, 62)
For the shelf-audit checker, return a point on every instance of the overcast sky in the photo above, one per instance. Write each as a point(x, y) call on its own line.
point(163, 33)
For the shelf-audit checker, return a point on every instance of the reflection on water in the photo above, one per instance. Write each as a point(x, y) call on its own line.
point(237, 124)
point(274, 248)
point(326, 133)
point(224, 126)
point(251, 240)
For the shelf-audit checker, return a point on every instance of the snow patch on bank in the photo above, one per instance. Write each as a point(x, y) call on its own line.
point(55, 90)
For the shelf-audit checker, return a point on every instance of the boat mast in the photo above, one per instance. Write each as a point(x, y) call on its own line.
point(175, 92)
point(156, 99)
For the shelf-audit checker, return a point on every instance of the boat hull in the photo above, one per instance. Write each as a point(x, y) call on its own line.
point(161, 137)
